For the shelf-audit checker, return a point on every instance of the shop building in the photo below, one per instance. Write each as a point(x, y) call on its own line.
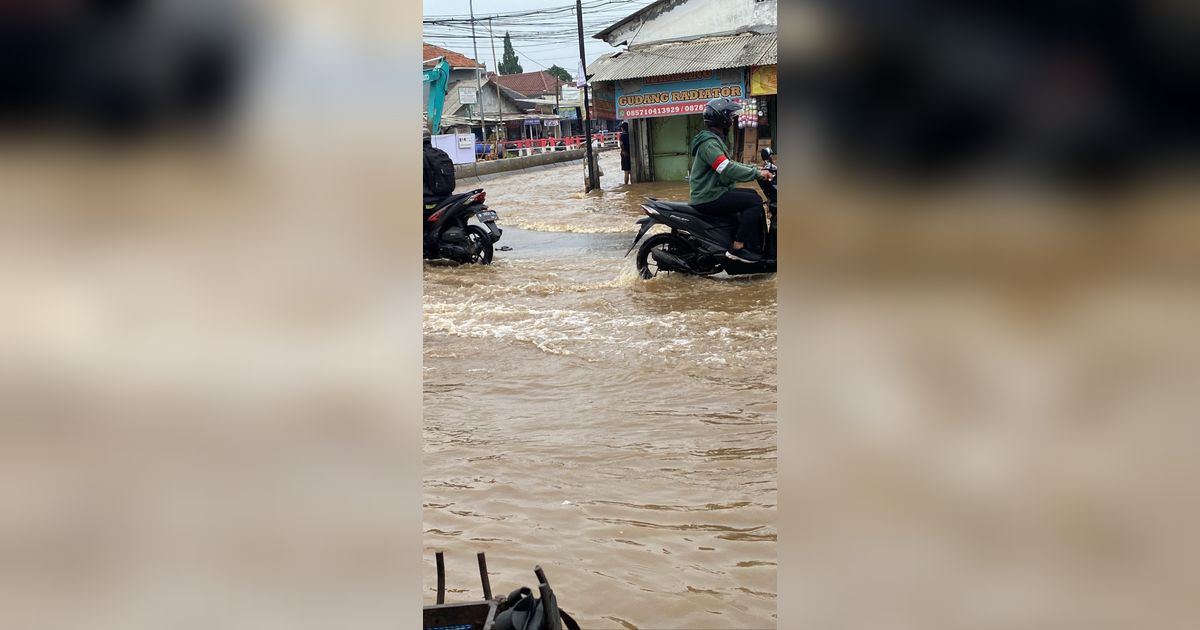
point(678, 55)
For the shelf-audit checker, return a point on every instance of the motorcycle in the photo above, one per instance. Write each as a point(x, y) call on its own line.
point(449, 236)
point(697, 242)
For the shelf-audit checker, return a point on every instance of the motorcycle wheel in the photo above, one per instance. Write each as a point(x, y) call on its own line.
point(647, 266)
point(483, 241)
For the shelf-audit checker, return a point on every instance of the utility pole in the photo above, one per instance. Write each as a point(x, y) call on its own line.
point(499, 103)
point(478, 78)
point(593, 176)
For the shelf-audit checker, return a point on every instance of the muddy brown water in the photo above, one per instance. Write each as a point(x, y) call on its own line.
point(618, 432)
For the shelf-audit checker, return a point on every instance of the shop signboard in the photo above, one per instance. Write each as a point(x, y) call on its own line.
point(468, 96)
point(764, 80)
point(679, 94)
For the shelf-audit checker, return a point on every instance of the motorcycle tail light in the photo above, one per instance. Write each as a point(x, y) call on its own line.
point(479, 197)
point(436, 215)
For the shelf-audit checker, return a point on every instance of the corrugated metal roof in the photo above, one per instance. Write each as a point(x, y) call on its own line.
point(710, 53)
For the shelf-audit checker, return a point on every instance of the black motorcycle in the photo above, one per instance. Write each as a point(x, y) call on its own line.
point(697, 242)
point(449, 236)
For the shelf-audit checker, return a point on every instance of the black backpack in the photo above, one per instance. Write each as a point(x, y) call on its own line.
point(439, 172)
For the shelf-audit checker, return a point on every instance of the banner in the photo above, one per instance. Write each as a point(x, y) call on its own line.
point(580, 75)
point(677, 95)
point(764, 80)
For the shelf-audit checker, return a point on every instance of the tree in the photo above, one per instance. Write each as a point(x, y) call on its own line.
point(509, 63)
point(561, 73)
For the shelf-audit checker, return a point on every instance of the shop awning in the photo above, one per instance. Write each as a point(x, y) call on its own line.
point(710, 53)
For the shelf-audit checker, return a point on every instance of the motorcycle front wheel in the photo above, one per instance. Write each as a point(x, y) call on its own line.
point(648, 267)
point(483, 245)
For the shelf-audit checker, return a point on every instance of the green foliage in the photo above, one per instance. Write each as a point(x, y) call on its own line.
point(561, 73)
point(508, 62)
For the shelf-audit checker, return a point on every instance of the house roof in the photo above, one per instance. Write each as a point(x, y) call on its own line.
point(456, 60)
point(509, 104)
point(709, 53)
point(531, 83)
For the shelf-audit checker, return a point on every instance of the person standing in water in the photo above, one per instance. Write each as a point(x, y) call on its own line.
point(624, 141)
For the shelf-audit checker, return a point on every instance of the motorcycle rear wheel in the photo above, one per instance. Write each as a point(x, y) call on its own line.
point(647, 266)
point(483, 241)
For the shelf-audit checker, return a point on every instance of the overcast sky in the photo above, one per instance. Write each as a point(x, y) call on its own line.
point(540, 41)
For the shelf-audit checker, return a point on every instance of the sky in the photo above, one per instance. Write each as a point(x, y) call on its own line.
point(540, 41)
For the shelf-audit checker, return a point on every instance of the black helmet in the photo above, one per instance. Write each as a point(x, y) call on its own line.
point(425, 136)
point(767, 154)
point(720, 112)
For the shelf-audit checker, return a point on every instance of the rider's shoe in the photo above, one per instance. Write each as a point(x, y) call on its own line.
point(743, 254)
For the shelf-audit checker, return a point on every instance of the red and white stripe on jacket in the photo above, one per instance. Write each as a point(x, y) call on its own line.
point(720, 164)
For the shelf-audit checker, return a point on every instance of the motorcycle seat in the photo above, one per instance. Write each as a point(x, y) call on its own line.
point(683, 208)
point(674, 206)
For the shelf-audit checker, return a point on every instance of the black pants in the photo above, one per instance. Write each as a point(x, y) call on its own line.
point(747, 206)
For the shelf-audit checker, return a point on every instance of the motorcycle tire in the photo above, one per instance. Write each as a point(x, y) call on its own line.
point(647, 267)
point(483, 239)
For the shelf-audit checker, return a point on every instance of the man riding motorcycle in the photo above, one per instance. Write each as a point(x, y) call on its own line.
point(714, 177)
point(437, 173)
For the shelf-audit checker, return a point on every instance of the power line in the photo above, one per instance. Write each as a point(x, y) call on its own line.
point(594, 4)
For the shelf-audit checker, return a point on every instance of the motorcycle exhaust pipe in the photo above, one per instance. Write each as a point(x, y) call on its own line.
point(669, 262)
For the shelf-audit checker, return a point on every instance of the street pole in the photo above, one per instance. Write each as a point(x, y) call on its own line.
point(478, 78)
point(593, 176)
point(499, 103)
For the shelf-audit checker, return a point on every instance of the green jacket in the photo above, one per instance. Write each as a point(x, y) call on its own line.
point(713, 173)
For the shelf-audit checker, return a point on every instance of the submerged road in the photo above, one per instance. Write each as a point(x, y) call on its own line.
point(619, 432)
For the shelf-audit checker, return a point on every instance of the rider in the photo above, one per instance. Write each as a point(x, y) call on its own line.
point(714, 178)
point(437, 174)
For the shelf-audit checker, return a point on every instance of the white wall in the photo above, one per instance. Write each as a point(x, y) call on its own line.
point(449, 143)
point(682, 19)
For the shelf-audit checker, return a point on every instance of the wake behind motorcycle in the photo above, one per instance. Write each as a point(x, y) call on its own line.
point(697, 242)
point(448, 234)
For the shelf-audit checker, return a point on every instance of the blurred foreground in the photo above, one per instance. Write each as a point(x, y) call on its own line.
point(203, 366)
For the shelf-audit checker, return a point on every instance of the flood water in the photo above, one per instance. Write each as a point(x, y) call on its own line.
point(618, 432)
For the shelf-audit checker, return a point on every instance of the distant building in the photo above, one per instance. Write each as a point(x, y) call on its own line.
point(532, 84)
point(462, 67)
point(501, 108)
point(542, 94)
point(678, 55)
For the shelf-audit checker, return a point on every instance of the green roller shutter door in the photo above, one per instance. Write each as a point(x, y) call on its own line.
point(670, 138)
